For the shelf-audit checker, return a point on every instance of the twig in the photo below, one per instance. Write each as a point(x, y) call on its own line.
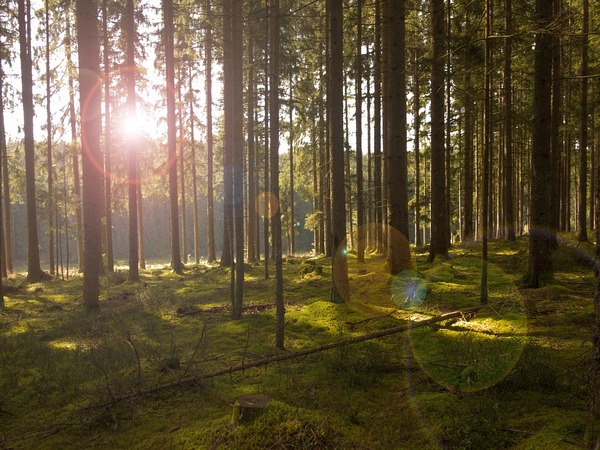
point(370, 319)
point(195, 350)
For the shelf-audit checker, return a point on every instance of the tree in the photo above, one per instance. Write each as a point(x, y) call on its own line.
point(132, 146)
point(107, 140)
point(49, 164)
point(339, 264)
point(540, 234)
point(509, 220)
point(34, 270)
point(398, 251)
point(167, 5)
point(360, 209)
point(274, 58)
point(91, 128)
point(210, 221)
point(439, 220)
point(583, 127)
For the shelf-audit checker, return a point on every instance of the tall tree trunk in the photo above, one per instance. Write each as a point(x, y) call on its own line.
point(439, 220)
point(398, 254)
point(509, 220)
point(274, 58)
point(132, 144)
point(292, 212)
point(540, 235)
point(487, 150)
point(168, 38)
point(377, 157)
point(182, 166)
point(140, 216)
point(557, 146)
point(583, 130)
point(34, 271)
point(448, 124)
point(210, 215)
point(91, 129)
point(417, 146)
point(360, 208)
point(339, 289)
point(49, 164)
point(4, 226)
point(252, 218)
point(237, 132)
point(107, 141)
point(194, 170)
point(74, 148)
point(266, 172)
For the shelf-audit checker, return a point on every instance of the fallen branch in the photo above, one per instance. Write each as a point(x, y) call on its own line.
point(291, 355)
point(369, 319)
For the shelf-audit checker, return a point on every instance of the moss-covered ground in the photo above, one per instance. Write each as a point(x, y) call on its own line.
point(512, 375)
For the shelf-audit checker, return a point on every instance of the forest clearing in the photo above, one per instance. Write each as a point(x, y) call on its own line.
point(512, 375)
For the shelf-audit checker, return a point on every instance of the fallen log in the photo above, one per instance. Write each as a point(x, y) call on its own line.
point(291, 355)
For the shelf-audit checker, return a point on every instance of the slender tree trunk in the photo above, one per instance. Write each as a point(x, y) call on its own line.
point(34, 271)
point(4, 226)
point(194, 170)
point(266, 172)
point(182, 166)
point(448, 124)
point(274, 58)
point(583, 130)
point(252, 228)
point(5, 186)
point(439, 220)
point(49, 163)
point(91, 129)
point(74, 149)
point(107, 141)
point(237, 132)
point(323, 166)
point(377, 157)
point(210, 217)
point(292, 212)
point(339, 289)
point(140, 215)
point(168, 38)
point(417, 146)
point(509, 220)
point(557, 145)
point(540, 235)
point(360, 208)
point(487, 149)
point(133, 144)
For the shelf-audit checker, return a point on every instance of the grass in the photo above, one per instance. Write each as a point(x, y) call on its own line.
point(511, 376)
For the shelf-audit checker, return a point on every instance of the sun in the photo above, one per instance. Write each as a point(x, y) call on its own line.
point(132, 126)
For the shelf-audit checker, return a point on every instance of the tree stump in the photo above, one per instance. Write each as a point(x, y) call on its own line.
point(248, 407)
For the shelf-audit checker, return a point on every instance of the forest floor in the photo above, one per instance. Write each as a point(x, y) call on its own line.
point(512, 375)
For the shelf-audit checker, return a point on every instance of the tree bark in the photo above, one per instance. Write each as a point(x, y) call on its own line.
point(583, 127)
point(210, 217)
point(252, 218)
point(107, 142)
point(167, 5)
point(360, 208)
point(439, 220)
point(540, 233)
point(91, 129)
point(132, 144)
point(508, 203)
point(49, 164)
point(274, 58)
point(339, 289)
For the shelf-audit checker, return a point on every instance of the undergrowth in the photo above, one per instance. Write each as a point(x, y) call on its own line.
point(512, 375)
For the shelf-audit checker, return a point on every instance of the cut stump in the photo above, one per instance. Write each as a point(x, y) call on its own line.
point(249, 407)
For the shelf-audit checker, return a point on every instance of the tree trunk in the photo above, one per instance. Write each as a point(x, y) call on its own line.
point(49, 164)
point(194, 170)
point(210, 216)
point(91, 130)
point(583, 130)
point(132, 144)
point(398, 252)
point(182, 166)
point(540, 235)
point(377, 157)
point(34, 271)
point(107, 142)
point(509, 220)
point(417, 146)
point(292, 213)
point(4, 226)
point(339, 289)
point(237, 133)
point(274, 58)
point(74, 149)
point(252, 222)
point(168, 38)
point(360, 208)
point(439, 220)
